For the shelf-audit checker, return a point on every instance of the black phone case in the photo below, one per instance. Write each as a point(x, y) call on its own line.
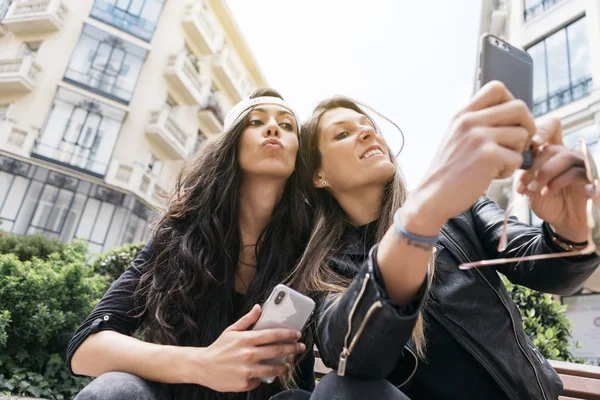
point(514, 68)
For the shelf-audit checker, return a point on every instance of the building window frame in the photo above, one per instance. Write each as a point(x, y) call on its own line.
point(577, 88)
point(125, 18)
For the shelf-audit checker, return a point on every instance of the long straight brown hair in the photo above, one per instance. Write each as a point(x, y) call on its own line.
point(313, 274)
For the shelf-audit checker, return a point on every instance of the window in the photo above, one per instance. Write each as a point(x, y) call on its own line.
point(36, 200)
point(154, 165)
point(137, 17)
point(562, 68)
point(80, 133)
point(533, 8)
point(105, 64)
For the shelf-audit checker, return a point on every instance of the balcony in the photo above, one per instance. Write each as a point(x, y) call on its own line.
point(16, 140)
point(539, 8)
point(202, 30)
point(35, 16)
point(18, 74)
point(230, 71)
point(210, 117)
point(133, 178)
point(184, 79)
point(563, 96)
point(166, 134)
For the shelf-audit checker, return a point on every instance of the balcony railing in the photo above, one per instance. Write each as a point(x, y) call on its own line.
point(202, 30)
point(135, 179)
point(539, 8)
point(134, 24)
point(16, 140)
point(184, 79)
point(18, 74)
point(210, 117)
point(563, 96)
point(166, 133)
point(228, 68)
point(35, 16)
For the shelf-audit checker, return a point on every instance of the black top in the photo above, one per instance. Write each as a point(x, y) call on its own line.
point(116, 312)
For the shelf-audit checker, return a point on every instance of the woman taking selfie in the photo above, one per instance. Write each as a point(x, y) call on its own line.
point(233, 229)
point(372, 244)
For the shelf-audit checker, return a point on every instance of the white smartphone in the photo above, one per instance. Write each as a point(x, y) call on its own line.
point(285, 308)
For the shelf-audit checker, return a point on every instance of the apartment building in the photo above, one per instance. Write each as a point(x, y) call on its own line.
point(100, 103)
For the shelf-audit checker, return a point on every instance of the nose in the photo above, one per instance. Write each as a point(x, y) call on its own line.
point(271, 129)
point(366, 133)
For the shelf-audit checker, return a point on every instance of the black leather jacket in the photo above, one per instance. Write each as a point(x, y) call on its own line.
point(362, 334)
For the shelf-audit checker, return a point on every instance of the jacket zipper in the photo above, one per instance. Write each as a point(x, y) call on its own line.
point(507, 309)
point(348, 349)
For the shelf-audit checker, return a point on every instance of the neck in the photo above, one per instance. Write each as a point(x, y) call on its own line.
point(363, 205)
point(258, 198)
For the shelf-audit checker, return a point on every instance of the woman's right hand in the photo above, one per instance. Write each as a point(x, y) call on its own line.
point(485, 142)
point(233, 363)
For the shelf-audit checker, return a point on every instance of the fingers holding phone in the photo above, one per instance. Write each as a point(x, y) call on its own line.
point(235, 362)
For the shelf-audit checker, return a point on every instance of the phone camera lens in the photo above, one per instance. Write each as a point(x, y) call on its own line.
point(279, 297)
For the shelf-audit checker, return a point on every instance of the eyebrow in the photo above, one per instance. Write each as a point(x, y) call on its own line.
point(364, 118)
point(281, 112)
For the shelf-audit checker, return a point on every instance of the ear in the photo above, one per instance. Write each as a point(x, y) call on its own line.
point(319, 178)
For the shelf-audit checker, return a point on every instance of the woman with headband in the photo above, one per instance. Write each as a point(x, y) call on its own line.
point(233, 228)
point(369, 259)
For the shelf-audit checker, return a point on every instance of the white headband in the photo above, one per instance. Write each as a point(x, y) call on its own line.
point(240, 108)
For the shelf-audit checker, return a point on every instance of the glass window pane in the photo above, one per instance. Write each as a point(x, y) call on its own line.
point(44, 207)
point(59, 211)
point(15, 198)
point(88, 218)
point(5, 181)
point(106, 63)
point(579, 51)
point(29, 206)
point(72, 218)
point(80, 132)
point(137, 17)
point(540, 90)
point(102, 223)
point(558, 66)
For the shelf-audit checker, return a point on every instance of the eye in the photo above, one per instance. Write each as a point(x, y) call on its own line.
point(255, 122)
point(341, 135)
point(287, 126)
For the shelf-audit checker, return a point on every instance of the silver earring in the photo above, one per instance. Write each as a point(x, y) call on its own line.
point(324, 183)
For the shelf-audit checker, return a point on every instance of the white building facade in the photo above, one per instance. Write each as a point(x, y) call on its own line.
point(100, 103)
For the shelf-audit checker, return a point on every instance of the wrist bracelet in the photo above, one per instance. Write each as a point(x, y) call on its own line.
point(564, 243)
point(401, 231)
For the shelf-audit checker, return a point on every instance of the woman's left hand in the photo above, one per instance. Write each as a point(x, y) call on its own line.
point(556, 183)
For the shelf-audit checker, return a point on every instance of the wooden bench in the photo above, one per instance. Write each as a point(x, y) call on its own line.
point(581, 382)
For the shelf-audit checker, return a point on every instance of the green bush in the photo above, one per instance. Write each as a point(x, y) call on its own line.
point(544, 322)
point(114, 262)
point(42, 302)
point(27, 247)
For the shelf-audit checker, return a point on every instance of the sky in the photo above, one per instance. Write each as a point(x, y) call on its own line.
point(413, 61)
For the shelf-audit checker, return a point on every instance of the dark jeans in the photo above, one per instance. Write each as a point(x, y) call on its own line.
point(122, 386)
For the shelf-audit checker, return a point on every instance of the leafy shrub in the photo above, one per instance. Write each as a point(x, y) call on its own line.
point(27, 247)
point(544, 322)
point(114, 262)
point(42, 302)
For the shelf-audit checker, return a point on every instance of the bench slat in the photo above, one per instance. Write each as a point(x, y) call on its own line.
point(586, 371)
point(580, 387)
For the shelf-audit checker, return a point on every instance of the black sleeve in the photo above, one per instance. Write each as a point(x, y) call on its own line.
point(562, 276)
point(116, 310)
point(364, 327)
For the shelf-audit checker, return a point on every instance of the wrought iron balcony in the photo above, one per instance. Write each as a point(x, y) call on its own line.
point(201, 28)
point(229, 69)
point(539, 8)
point(16, 140)
point(18, 74)
point(166, 134)
point(563, 96)
point(184, 79)
point(35, 16)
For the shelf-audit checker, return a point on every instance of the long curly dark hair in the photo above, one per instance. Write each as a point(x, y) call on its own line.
point(186, 290)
